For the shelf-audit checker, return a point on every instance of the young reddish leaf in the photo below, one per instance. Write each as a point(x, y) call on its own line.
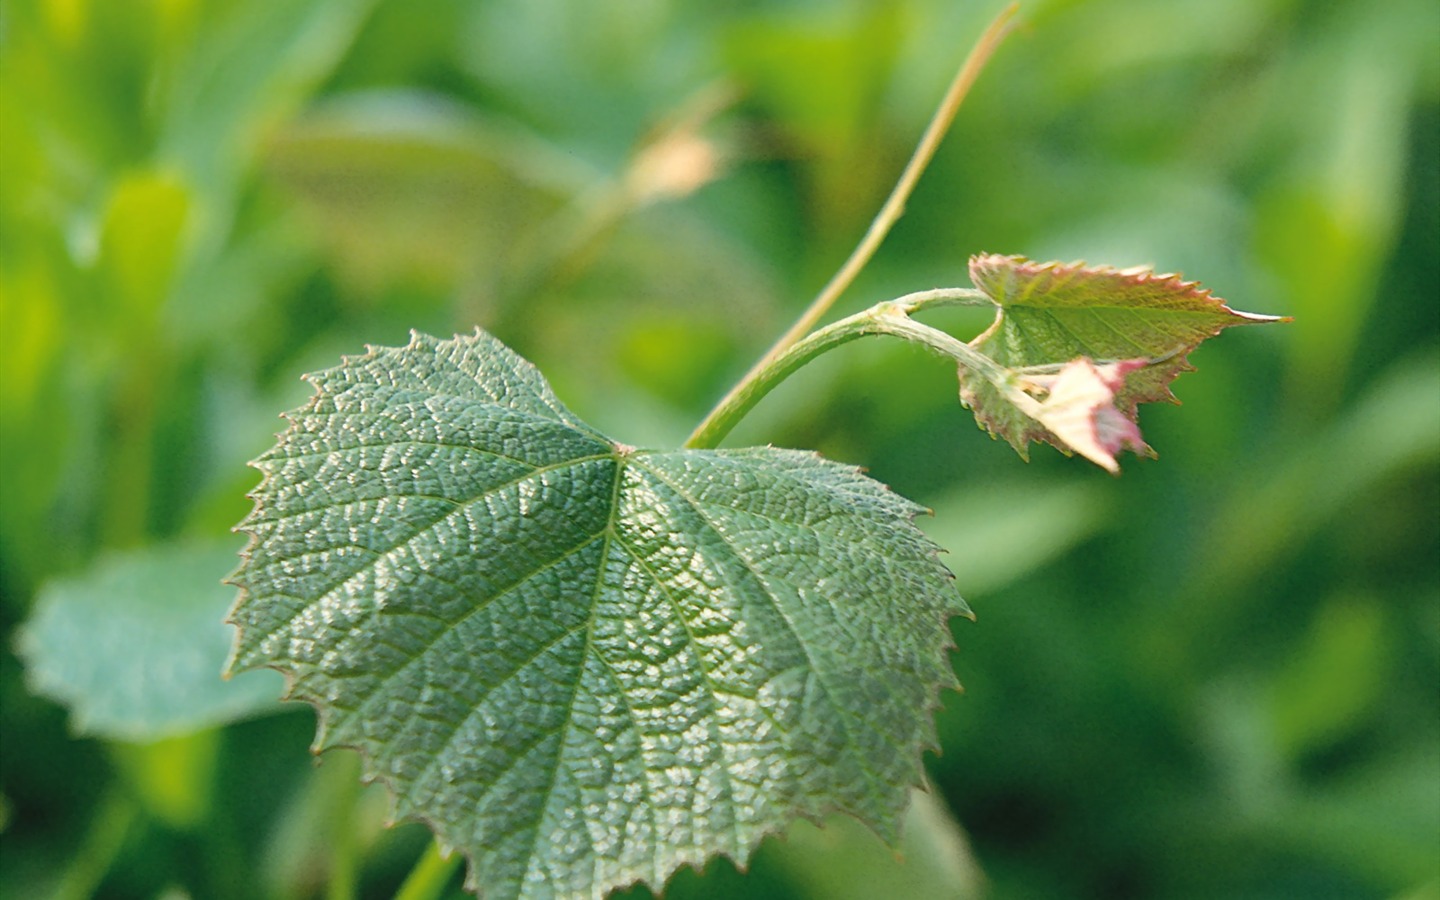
point(1052, 313)
point(1080, 410)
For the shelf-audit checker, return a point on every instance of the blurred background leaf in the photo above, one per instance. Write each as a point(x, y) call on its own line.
point(1215, 676)
point(133, 648)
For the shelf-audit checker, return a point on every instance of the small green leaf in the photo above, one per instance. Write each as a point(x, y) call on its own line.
point(1053, 313)
point(135, 646)
point(582, 664)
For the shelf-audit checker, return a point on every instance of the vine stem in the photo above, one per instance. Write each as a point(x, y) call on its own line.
point(431, 875)
point(891, 317)
point(884, 220)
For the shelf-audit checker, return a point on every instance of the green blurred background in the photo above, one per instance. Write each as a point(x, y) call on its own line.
point(1217, 676)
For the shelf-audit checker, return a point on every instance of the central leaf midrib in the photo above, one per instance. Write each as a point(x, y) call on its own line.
point(713, 693)
point(788, 475)
point(1150, 316)
point(775, 603)
point(568, 721)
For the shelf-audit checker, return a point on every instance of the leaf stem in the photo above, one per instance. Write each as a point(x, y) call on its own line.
point(890, 317)
point(343, 844)
point(943, 297)
point(759, 382)
point(898, 324)
point(427, 880)
point(884, 220)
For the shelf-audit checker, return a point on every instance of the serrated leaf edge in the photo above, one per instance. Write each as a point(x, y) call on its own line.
point(1134, 275)
point(370, 773)
point(1145, 275)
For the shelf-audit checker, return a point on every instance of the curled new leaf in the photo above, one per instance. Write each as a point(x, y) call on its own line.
point(1050, 314)
point(1079, 410)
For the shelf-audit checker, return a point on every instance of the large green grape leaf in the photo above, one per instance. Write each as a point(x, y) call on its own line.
point(582, 664)
point(134, 647)
point(1052, 313)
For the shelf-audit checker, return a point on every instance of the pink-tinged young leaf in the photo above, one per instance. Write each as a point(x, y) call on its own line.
point(1052, 313)
point(1080, 410)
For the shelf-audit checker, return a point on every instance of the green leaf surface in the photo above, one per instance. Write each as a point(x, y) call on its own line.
point(134, 647)
point(1052, 313)
point(582, 664)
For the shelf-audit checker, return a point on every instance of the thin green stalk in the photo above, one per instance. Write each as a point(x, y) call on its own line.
point(428, 879)
point(912, 303)
point(760, 382)
point(899, 325)
point(884, 220)
point(890, 317)
point(344, 850)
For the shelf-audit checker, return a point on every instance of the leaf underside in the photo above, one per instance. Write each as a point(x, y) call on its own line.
point(585, 665)
point(1052, 313)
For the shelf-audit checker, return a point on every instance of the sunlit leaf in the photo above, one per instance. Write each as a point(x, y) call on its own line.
point(582, 664)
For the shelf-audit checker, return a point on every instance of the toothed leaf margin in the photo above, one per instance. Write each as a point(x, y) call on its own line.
point(1052, 313)
point(581, 664)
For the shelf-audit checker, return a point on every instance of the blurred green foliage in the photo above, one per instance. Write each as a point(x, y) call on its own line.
point(1215, 676)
